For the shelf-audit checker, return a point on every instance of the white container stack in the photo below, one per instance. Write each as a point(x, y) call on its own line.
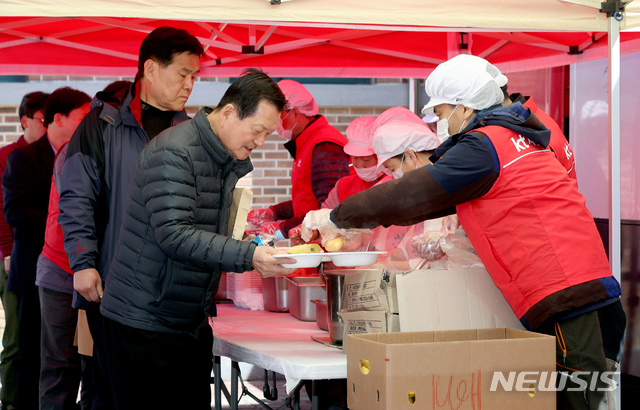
point(245, 289)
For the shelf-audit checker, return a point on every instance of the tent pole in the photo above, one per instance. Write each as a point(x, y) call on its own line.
point(413, 96)
point(614, 157)
point(614, 140)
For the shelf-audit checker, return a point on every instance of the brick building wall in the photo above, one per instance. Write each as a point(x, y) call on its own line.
point(270, 180)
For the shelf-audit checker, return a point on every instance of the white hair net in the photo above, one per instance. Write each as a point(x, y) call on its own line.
point(464, 80)
point(394, 137)
point(359, 136)
point(298, 97)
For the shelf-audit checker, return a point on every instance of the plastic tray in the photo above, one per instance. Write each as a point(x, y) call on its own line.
point(344, 259)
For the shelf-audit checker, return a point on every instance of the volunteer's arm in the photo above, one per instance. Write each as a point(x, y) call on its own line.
point(467, 171)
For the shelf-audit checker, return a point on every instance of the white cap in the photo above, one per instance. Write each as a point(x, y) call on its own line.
point(359, 136)
point(396, 114)
point(464, 80)
point(298, 97)
point(394, 137)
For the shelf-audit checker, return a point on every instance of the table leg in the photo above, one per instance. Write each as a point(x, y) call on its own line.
point(235, 374)
point(217, 381)
point(314, 395)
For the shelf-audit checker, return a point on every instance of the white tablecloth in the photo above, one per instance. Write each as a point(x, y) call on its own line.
point(278, 342)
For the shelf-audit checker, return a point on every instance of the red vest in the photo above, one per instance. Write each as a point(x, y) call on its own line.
point(532, 230)
point(351, 185)
point(53, 237)
point(301, 193)
point(558, 142)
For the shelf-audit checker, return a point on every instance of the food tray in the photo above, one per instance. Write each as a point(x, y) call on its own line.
point(344, 259)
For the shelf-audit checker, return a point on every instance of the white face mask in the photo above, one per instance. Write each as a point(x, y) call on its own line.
point(443, 127)
point(397, 174)
point(286, 134)
point(369, 174)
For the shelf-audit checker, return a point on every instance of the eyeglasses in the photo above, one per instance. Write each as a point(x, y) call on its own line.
point(38, 119)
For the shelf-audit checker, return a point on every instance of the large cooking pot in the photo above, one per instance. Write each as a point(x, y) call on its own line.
point(336, 300)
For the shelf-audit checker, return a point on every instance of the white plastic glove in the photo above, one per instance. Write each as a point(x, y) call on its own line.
point(320, 221)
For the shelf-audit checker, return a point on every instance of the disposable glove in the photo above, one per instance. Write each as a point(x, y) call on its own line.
point(295, 235)
point(320, 221)
point(258, 217)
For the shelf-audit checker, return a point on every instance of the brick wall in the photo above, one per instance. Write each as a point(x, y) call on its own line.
point(270, 180)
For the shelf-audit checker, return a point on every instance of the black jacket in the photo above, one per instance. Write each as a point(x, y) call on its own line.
point(25, 185)
point(172, 246)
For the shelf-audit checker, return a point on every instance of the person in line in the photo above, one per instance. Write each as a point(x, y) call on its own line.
point(523, 214)
point(99, 164)
point(60, 367)
point(25, 186)
point(318, 161)
point(172, 249)
point(32, 122)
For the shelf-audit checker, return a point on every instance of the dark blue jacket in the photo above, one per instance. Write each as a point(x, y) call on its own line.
point(173, 244)
point(26, 184)
point(96, 179)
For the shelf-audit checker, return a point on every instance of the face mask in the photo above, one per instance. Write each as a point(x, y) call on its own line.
point(397, 174)
point(443, 127)
point(286, 134)
point(368, 174)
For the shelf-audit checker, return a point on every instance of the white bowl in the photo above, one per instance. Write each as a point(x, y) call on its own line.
point(304, 260)
point(353, 259)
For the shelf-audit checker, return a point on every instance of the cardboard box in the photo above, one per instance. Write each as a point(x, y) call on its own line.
point(239, 211)
point(368, 322)
point(449, 370)
point(436, 299)
point(371, 290)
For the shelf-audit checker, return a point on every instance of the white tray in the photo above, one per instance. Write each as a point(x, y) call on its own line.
point(344, 259)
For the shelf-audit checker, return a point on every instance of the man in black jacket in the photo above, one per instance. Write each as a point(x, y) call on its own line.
point(25, 185)
point(167, 264)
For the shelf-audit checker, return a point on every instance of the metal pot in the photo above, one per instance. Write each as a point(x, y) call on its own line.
point(335, 300)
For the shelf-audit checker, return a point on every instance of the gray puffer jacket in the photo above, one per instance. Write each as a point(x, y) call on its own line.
point(172, 247)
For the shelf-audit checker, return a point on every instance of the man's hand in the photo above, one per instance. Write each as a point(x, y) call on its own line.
point(89, 284)
point(269, 266)
point(7, 263)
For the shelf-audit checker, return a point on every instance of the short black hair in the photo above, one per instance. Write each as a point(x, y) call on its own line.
point(163, 44)
point(117, 86)
point(63, 101)
point(246, 92)
point(32, 103)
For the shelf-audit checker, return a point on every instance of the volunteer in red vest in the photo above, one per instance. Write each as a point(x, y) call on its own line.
point(558, 142)
point(364, 160)
point(524, 216)
point(318, 161)
point(365, 164)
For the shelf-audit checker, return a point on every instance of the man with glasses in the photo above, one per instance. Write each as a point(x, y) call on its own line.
point(31, 120)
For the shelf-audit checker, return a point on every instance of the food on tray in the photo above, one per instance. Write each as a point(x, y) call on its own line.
point(306, 248)
point(334, 244)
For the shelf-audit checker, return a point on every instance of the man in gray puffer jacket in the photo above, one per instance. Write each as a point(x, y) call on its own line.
point(172, 247)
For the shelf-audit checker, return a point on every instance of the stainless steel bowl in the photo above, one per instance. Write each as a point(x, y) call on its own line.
point(322, 313)
point(302, 290)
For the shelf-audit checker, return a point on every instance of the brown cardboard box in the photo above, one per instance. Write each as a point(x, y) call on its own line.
point(368, 322)
point(449, 370)
point(240, 207)
point(370, 290)
point(451, 299)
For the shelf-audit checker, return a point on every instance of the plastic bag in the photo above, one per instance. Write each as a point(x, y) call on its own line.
point(258, 217)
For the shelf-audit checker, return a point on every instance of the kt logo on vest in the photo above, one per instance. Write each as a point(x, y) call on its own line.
point(522, 143)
